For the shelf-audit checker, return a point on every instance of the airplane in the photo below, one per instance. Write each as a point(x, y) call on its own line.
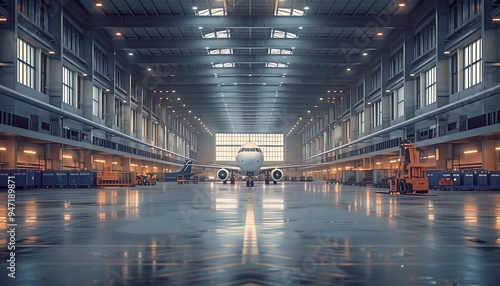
point(185, 171)
point(249, 161)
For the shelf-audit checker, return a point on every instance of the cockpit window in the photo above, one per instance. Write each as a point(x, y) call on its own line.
point(250, 150)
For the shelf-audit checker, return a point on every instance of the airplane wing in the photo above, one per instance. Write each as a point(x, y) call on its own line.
point(284, 167)
point(227, 167)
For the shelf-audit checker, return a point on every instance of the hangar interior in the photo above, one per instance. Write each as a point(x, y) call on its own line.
point(142, 86)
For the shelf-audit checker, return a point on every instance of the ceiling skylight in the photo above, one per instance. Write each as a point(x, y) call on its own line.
point(276, 65)
point(212, 12)
point(282, 34)
point(280, 52)
point(221, 52)
point(224, 34)
point(289, 12)
point(223, 65)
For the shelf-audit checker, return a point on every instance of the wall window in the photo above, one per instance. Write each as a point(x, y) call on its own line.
point(454, 73)
point(118, 112)
point(361, 92)
point(430, 86)
point(43, 74)
point(133, 120)
point(119, 77)
point(96, 99)
point(347, 130)
point(361, 122)
point(26, 64)
point(377, 113)
point(473, 64)
point(72, 38)
point(425, 39)
point(100, 61)
point(154, 134)
point(133, 90)
point(462, 11)
point(398, 99)
point(144, 127)
point(228, 145)
point(376, 79)
point(68, 86)
point(37, 11)
point(396, 63)
point(418, 93)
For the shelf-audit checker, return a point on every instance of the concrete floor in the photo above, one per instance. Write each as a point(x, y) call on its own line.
point(285, 234)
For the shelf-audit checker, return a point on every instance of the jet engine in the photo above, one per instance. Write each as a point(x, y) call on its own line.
point(277, 174)
point(223, 174)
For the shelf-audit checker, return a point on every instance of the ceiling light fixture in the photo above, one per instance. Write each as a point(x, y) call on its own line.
point(98, 4)
point(118, 34)
point(3, 19)
point(470, 151)
point(402, 4)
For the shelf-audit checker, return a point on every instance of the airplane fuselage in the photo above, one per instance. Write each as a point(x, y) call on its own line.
point(250, 159)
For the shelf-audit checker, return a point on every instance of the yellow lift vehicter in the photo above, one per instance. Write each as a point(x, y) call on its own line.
point(410, 177)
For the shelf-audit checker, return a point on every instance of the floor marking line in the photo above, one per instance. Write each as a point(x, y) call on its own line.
point(250, 250)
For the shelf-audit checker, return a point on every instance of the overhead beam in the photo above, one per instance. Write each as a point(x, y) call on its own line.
point(237, 21)
point(246, 80)
point(242, 89)
point(209, 59)
point(267, 43)
point(241, 71)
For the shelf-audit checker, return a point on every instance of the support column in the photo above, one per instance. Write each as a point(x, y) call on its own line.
point(8, 52)
point(8, 157)
point(53, 153)
point(488, 154)
point(443, 153)
point(442, 60)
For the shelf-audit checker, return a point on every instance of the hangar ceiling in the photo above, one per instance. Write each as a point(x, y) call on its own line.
point(249, 66)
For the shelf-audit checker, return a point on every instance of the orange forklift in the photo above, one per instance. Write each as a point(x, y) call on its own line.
point(410, 177)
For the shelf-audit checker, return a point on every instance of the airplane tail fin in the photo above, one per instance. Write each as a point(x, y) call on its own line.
point(187, 167)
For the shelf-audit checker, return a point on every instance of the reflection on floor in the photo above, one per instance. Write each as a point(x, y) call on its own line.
point(286, 234)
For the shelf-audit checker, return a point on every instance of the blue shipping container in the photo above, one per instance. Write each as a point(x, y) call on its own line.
point(87, 179)
point(494, 178)
point(433, 176)
point(24, 178)
point(481, 178)
point(38, 178)
point(73, 179)
point(48, 178)
point(61, 179)
point(467, 178)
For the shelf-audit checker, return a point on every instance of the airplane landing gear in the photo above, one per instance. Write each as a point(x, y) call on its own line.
point(250, 182)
